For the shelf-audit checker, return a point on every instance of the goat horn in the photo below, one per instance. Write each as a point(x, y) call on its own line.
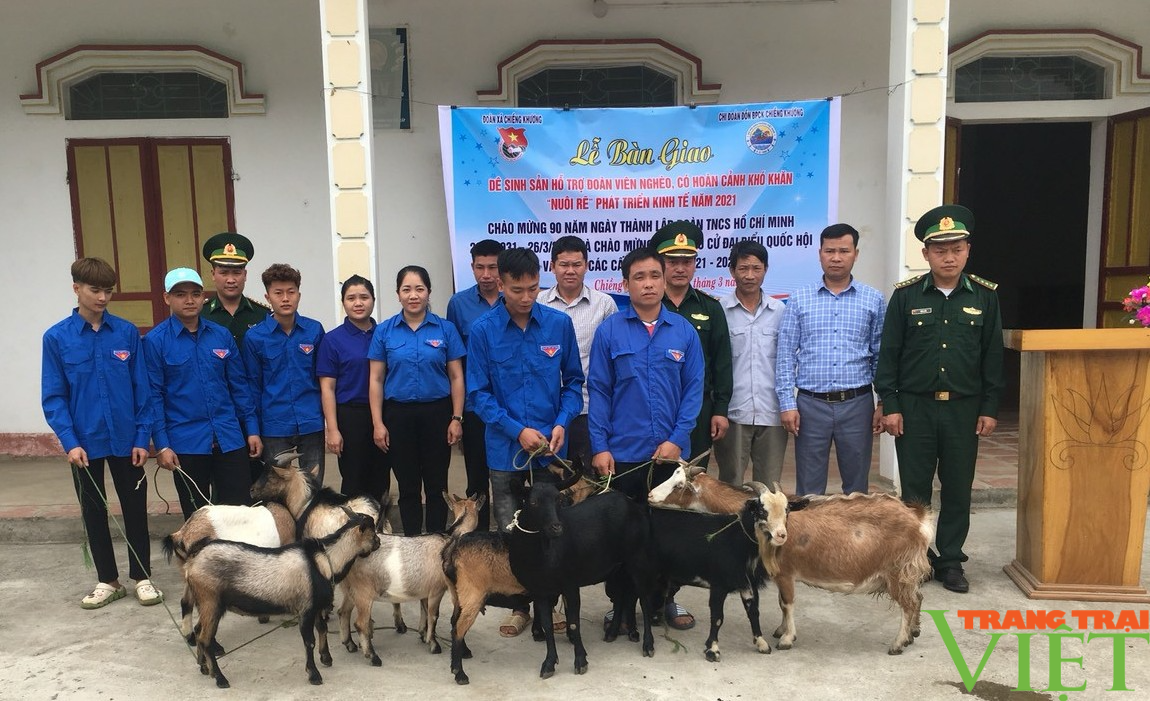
point(285, 458)
point(756, 487)
point(694, 471)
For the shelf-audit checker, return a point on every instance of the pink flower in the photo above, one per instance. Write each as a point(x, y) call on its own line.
point(1143, 315)
point(1140, 294)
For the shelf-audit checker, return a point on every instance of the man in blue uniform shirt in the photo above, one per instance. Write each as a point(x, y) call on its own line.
point(646, 390)
point(280, 354)
point(95, 395)
point(202, 400)
point(525, 381)
point(463, 309)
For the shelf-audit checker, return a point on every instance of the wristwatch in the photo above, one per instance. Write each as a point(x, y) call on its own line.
point(457, 418)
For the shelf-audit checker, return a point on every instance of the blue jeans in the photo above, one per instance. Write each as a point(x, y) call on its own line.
point(503, 503)
point(309, 445)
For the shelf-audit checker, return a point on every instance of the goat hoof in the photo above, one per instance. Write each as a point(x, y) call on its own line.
point(610, 637)
point(315, 679)
point(350, 646)
point(190, 639)
point(222, 683)
point(915, 633)
point(375, 661)
point(215, 648)
point(633, 636)
point(894, 651)
point(325, 660)
point(264, 619)
point(784, 646)
point(581, 670)
point(648, 651)
point(466, 654)
point(546, 673)
point(538, 636)
point(436, 649)
point(400, 628)
point(712, 656)
point(461, 679)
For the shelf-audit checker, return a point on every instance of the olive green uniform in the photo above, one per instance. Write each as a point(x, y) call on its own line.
point(706, 314)
point(248, 314)
point(940, 366)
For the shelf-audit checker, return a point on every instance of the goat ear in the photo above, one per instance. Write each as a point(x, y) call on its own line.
point(695, 471)
point(313, 471)
point(449, 498)
point(797, 503)
point(480, 500)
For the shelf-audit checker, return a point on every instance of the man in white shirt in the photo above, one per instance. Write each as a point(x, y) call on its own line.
point(587, 309)
point(756, 432)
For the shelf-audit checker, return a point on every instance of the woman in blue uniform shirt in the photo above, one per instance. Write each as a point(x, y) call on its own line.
point(416, 396)
point(342, 367)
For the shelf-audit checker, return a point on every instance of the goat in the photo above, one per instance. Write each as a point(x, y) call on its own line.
point(691, 488)
point(554, 551)
point(851, 544)
point(296, 579)
point(404, 569)
point(717, 552)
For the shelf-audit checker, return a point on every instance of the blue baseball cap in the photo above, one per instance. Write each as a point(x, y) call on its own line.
point(178, 275)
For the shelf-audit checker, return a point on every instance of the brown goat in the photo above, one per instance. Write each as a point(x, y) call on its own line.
point(691, 488)
point(851, 544)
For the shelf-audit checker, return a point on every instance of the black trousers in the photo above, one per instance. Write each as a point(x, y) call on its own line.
point(420, 454)
point(92, 493)
point(364, 469)
point(701, 436)
point(222, 477)
point(579, 441)
point(475, 462)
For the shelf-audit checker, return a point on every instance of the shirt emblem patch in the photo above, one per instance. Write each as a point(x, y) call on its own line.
point(307, 348)
point(701, 317)
point(550, 350)
point(221, 353)
point(675, 354)
point(435, 342)
point(972, 310)
point(122, 355)
point(923, 310)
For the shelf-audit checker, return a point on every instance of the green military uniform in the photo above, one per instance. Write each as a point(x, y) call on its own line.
point(706, 314)
point(940, 366)
point(232, 250)
point(248, 314)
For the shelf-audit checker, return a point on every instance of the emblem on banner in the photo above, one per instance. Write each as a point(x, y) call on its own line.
point(307, 348)
point(122, 354)
point(434, 342)
point(221, 353)
point(512, 142)
point(550, 350)
point(761, 137)
point(676, 355)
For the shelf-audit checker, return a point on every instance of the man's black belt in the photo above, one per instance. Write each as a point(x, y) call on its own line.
point(840, 396)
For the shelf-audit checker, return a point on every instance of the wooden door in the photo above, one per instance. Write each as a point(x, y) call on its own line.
point(951, 166)
point(145, 205)
point(1125, 260)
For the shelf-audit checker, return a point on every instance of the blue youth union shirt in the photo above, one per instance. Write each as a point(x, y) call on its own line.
point(199, 387)
point(417, 359)
point(282, 370)
point(94, 386)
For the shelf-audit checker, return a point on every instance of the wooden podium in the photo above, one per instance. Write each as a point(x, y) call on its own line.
point(1083, 463)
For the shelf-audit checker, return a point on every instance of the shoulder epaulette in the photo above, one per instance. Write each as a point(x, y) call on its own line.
point(708, 294)
point(908, 282)
point(257, 303)
point(983, 281)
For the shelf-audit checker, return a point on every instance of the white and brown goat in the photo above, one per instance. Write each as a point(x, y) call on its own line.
point(851, 544)
point(404, 569)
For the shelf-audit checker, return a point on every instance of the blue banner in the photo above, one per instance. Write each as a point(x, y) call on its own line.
point(525, 177)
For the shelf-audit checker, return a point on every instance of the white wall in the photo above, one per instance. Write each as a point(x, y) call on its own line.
point(281, 196)
point(758, 53)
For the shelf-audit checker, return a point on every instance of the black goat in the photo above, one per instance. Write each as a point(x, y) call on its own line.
point(298, 579)
point(716, 551)
point(554, 551)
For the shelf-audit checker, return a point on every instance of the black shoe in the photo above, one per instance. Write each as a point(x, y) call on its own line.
point(953, 579)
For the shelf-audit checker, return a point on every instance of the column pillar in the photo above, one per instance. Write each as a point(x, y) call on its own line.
point(347, 103)
point(916, 139)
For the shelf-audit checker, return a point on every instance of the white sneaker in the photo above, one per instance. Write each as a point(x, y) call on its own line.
point(147, 593)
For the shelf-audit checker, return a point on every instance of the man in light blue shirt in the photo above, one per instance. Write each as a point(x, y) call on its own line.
point(756, 433)
point(828, 353)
